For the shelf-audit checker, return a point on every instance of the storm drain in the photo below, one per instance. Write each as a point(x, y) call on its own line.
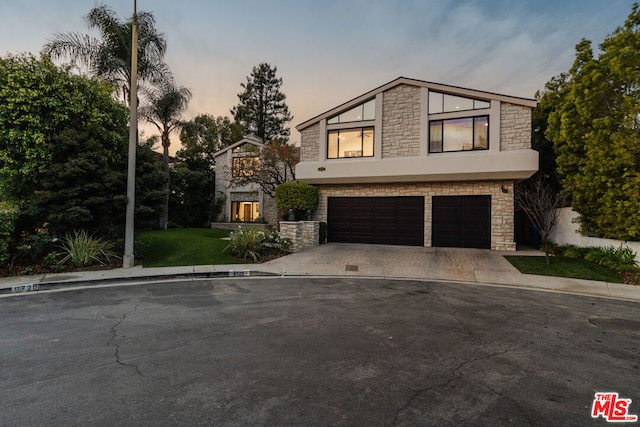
point(352, 267)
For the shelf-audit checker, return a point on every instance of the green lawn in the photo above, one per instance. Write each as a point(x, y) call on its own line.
point(564, 267)
point(186, 246)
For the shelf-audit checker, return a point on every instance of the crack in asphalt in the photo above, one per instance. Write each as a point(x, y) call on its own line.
point(455, 374)
point(114, 336)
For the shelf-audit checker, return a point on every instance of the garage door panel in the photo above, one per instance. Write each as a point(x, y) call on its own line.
point(461, 221)
point(379, 220)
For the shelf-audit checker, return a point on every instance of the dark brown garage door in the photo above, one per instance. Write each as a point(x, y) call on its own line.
point(461, 221)
point(380, 220)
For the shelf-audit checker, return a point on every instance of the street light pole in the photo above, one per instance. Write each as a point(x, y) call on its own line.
point(128, 258)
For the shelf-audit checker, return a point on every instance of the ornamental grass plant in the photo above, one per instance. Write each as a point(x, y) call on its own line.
point(83, 249)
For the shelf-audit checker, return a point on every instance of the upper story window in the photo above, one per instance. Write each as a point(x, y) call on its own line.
point(444, 103)
point(246, 148)
point(245, 166)
point(464, 134)
point(362, 112)
point(350, 143)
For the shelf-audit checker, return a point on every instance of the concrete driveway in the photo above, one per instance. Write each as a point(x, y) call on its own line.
point(469, 265)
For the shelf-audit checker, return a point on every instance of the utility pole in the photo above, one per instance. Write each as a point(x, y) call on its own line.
point(128, 258)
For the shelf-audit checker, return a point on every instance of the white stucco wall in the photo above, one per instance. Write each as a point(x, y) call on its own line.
point(567, 233)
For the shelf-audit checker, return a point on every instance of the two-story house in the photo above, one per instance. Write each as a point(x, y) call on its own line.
point(419, 163)
point(243, 203)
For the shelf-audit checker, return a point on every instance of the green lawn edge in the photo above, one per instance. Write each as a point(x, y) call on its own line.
point(573, 268)
point(178, 247)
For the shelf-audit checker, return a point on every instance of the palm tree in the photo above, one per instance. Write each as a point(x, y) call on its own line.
point(166, 104)
point(109, 56)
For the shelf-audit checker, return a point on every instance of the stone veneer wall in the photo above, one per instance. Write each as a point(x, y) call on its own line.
point(310, 149)
point(515, 127)
point(401, 122)
point(502, 225)
point(302, 233)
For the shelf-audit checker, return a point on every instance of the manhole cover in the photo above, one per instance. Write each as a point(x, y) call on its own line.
point(621, 326)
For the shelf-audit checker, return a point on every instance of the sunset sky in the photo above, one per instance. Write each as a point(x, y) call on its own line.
point(330, 51)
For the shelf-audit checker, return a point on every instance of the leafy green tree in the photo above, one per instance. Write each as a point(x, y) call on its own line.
point(109, 56)
point(167, 102)
point(595, 129)
point(62, 145)
point(206, 133)
point(150, 180)
point(262, 109)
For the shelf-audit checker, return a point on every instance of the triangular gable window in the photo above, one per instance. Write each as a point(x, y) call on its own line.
point(365, 111)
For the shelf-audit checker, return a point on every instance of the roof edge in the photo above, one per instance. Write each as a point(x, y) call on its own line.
point(455, 90)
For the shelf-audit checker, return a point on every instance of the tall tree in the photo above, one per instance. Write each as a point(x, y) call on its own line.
point(62, 145)
point(262, 109)
point(596, 133)
point(167, 102)
point(207, 133)
point(109, 57)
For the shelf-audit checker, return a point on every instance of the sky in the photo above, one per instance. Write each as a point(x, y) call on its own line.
point(330, 51)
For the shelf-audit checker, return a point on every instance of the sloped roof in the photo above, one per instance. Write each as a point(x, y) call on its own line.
point(247, 139)
point(453, 90)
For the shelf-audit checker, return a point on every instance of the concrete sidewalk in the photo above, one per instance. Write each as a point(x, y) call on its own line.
point(351, 260)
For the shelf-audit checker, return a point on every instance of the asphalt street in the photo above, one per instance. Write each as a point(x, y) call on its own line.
point(302, 351)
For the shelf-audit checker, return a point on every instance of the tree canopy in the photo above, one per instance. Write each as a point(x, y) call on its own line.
point(62, 144)
point(595, 129)
point(109, 57)
point(262, 109)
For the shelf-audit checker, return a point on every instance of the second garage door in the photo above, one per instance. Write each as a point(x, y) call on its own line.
point(461, 221)
point(380, 220)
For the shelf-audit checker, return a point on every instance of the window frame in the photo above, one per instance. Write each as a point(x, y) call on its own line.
point(443, 100)
point(473, 119)
point(237, 163)
point(335, 119)
point(362, 148)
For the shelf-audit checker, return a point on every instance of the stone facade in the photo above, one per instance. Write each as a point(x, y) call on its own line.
point(302, 233)
point(501, 192)
point(515, 127)
point(401, 122)
point(310, 150)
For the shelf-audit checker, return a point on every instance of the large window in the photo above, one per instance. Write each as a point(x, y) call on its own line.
point(362, 112)
point(245, 165)
point(444, 103)
point(469, 133)
point(350, 143)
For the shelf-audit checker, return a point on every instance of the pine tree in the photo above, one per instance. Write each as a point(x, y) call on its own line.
point(262, 109)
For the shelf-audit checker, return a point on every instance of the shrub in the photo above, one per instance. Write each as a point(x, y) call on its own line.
point(83, 250)
point(247, 243)
point(572, 251)
point(298, 196)
point(7, 224)
point(619, 259)
point(323, 232)
point(252, 243)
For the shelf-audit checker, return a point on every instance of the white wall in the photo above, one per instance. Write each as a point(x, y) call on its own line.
point(566, 233)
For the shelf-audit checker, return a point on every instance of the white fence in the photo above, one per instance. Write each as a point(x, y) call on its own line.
point(567, 233)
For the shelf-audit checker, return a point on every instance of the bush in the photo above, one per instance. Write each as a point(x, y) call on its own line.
point(7, 224)
point(298, 196)
point(323, 232)
point(571, 251)
point(252, 243)
point(82, 249)
point(620, 259)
